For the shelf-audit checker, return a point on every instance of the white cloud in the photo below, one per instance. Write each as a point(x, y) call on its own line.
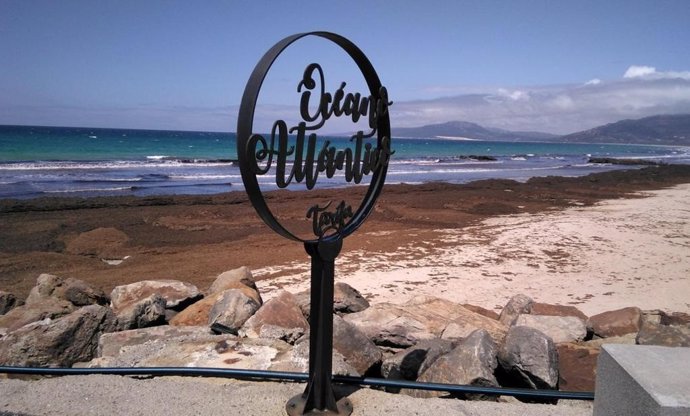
point(650, 72)
point(595, 81)
point(515, 95)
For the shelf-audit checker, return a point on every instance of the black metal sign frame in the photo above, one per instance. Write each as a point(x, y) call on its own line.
point(329, 227)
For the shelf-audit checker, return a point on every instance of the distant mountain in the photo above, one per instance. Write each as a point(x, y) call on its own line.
point(470, 131)
point(662, 129)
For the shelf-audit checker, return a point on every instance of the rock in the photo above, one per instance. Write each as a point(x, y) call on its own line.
point(235, 279)
point(141, 313)
point(347, 299)
point(7, 302)
point(113, 344)
point(297, 360)
point(50, 308)
point(549, 309)
point(198, 313)
point(58, 343)
point(482, 311)
point(668, 336)
point(558, 328)
point(576, 367)
point(408, 364)
point(196, 348)
point(232, 309)
point(628, 339)
point(177, 294)
point(279, 318)
point(472, 362)
point(517, 305)
point(675, 318)
point(462, 327)
point(615, 323)
point(105, 243)
point(421, 318)
point(75, 291)
point(355, 347)
point(528, 358)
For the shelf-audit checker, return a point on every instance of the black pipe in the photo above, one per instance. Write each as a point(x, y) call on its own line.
point(300, 377)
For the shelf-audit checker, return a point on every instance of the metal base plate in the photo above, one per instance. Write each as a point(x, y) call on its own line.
point(295, 407)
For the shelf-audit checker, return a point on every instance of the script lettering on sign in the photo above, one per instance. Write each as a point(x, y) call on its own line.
point(303, 162)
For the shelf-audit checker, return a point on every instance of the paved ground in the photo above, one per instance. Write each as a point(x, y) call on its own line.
point(172, 396)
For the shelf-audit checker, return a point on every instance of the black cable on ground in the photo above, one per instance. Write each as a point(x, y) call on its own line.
point(300, 377)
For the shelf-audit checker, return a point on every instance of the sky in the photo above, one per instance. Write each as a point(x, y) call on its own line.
point(551, 66)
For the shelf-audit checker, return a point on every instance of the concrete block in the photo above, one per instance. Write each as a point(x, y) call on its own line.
point(642, 380)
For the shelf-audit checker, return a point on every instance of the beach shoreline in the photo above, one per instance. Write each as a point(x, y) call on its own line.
point(111, 241)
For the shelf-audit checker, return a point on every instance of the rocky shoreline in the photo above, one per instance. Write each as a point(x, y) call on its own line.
point(66, 322)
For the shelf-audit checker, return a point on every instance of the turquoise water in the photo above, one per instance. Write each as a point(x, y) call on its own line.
point(40, 161)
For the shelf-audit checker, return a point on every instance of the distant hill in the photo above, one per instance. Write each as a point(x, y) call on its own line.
point(470, 131)
point(662, 129)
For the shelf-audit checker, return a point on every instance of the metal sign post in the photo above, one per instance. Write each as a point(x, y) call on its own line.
point(301, 162)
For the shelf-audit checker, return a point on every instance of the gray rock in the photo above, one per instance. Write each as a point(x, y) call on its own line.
point(234, 279)
point(232, 309)
point(279, 318)
point(75, 291)
point(408, 364)
point(149, 311)
point(472, 362)
point(421, 318)
point(177, 294)
point(7, 302)
point(113, 344)
point(347, 299)
point(355, 347)
point(615, 323)
point(668, 336)
point(518, 304)
point(628, 339)
point(529, 359)
point(58, 343)
point(297, 359)
point(559, 328)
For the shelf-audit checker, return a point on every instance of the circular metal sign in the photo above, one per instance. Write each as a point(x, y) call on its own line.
point(303, 162)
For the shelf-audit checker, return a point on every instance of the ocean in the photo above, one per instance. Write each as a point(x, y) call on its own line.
point(84, 162)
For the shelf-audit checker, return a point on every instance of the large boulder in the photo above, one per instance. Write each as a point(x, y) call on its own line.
point(409, 363)
point(176, 294)
point(279, 318)
point(518, 304)
point(50, 308)
point(231, 309)
point(141, 313)
point(577, 366)
point(472, 362)
point(528, 358)
point(346, 299)
point(422, 318)
point(239, 278)
point(297, 360)
point(550, 309)
point(198, 313)
point(668, 336)
point(356, 348)
point(615, 323)
point(58, 343)
point(75, 291)
point(7, 302)
point(675, 318)
point(482, 311)
point(559, 328)
point(113, 344)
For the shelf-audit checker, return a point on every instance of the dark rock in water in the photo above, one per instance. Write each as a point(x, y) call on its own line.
point(408, 364)
point(615, 323)
point(517, 305)
point(75, 291)
point(141, 313)
point(668, 336)
point(279, 318)
point(232, 309)
point(58, 343)
point(614, 161)
point(7, 302)
point(577, 367)
point(356, 348)
point(529, 359)
point(472, 362)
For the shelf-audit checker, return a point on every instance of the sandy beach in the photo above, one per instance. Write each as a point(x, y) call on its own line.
point(599, 242)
